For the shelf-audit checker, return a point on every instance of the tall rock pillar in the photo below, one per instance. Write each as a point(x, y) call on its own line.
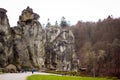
point(33, 35)
point(6, 55)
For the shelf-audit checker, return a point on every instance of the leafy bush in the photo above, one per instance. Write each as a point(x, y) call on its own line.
point(0, 71)
point(5, 71)
point(114, 78)
point(27, 68)
point(71, 73)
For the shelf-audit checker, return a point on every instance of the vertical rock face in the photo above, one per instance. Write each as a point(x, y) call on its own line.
point(20, 49)
point(27, 44)
point(33, 36)
point(60, 54)
point(5, 39)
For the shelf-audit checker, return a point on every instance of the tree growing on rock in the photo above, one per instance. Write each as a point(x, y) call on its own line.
point(63, 22)
point(48, 23)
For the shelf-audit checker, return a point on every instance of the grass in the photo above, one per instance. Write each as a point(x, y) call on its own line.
point(0, 72)
point(53, 77)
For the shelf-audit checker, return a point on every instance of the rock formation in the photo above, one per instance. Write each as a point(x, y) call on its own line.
point(28, 44)
point(6, 51)
point(30, 39)
point(60, 54)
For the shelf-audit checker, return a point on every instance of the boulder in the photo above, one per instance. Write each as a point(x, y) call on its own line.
point(11, 68)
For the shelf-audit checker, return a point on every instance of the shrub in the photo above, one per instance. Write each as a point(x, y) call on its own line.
point(71, 73)
point(27, 68)
point(114, 78)
point(0, 70)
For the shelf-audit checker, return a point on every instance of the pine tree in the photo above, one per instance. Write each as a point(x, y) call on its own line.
point(48, 23)
point(63, 22)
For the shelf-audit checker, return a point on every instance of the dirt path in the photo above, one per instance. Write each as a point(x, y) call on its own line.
point(18, 76)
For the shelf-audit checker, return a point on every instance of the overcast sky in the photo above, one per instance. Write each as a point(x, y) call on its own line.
point(73, 10)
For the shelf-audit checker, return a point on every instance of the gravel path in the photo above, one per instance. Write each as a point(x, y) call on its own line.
point(18, 76)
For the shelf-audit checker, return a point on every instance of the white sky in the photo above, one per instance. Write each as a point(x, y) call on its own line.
point(73, 10)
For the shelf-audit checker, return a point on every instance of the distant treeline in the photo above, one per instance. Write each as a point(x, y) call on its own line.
point(97, 45)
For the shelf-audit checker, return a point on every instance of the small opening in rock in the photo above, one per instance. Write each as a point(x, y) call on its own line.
point(28, 21)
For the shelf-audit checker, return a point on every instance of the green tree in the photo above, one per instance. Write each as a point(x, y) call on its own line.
point(56, 23)
point(63, 22)
point(48, 23)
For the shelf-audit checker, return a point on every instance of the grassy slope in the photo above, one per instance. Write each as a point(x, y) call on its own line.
point(51, 77)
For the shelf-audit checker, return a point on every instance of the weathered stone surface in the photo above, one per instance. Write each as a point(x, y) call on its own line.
point(21, 53)
point(3, 17)
point(60, 53)
point(11, 68)
point(3, 10)
point(33, 36)
point(29, 45)
point(6, 51)
point(28, 15)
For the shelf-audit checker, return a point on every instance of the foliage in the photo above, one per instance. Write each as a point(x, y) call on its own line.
point(63, 22)
point(98, 46)
point(27, 68)
point(52, 77)
point(48, 23)
point(0, 71)
point(114, 78)
point(71, 73)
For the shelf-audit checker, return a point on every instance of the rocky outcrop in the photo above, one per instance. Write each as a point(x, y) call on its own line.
point(29, 45)
point(30, 39)
point(20, 49)
point(6, 51)
point(60, 54)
